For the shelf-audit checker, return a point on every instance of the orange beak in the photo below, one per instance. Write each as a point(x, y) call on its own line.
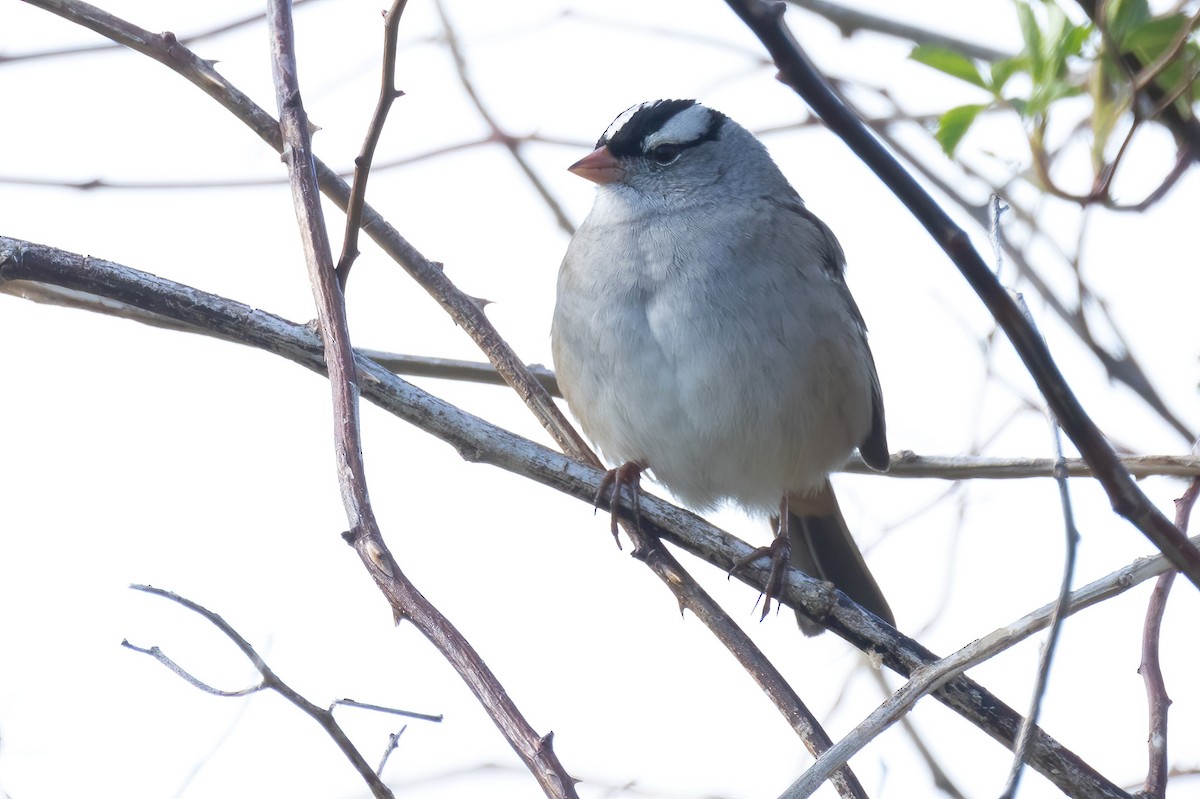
point(599, 166)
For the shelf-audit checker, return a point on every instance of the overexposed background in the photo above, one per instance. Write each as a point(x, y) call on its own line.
point(132, 454)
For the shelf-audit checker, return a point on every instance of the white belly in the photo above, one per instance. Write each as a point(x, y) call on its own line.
point(720, 396)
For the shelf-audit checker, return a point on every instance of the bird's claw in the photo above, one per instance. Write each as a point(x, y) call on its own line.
point(627, 474)
point(779, 552)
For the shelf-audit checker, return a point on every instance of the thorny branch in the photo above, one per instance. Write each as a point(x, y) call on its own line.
point(407, 602)
point(362, 164)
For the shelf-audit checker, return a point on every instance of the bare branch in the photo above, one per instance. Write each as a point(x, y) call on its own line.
point(270, 680)
point(1151, 668)
point(191, 38)
point(1024, 735)
point(362, 164)
point(381, 709)
point(510, 142)
point(851, 20)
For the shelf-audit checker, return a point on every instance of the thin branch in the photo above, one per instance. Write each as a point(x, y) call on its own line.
point(851, 20)
point(511, 143)
point(940, 778)
point(479, 441)
point(362, 164)
point(157, 653)
point(1151, 72)
point(383, 709)
point(393, 744)
point(689, 594)
point(1151, 669)
point(1061, 606)
point(270, 681)
point(766, 21)
point(191, 38)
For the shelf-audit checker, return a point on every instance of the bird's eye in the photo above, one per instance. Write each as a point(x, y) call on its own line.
point(665, 153)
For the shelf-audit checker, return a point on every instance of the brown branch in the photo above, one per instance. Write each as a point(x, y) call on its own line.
point(650, 550)
point(510, 142)
point(478, 441)
point(362, 164)
point(270, 681)
point(365, 536)
point(1151, 669)
point(766, 21)
point(191, 38)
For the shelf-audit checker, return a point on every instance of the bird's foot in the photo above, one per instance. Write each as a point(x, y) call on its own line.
point(627, 474)
point(779, 551)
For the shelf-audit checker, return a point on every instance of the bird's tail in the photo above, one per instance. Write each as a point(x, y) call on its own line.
point(822, 547)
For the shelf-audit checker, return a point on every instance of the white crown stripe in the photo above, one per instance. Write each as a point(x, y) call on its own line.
point(620, 121)
point(688, 125)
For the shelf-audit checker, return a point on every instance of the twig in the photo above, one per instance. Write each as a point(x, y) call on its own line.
point(940, 778)
point(511, 143)
point(851, 20)
point(393, 744)
point(362, 164)
point(766, 21)
point(1071, 533)
point(479, 441)
point(383, 709)
point(1151, 669)
point(191, 38)
point(270, 681)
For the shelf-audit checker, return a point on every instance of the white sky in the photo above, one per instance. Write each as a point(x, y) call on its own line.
point(139, 455)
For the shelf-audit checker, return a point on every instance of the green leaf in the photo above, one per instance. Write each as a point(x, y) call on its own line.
point(1149, 40)
point(1125, 16)
point(1075, 38)
point(1005, 68)
point(1032, 34)
point(950, 62)
point(954, 124)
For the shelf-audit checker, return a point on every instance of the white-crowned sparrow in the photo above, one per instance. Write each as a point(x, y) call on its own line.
point(704, 331)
